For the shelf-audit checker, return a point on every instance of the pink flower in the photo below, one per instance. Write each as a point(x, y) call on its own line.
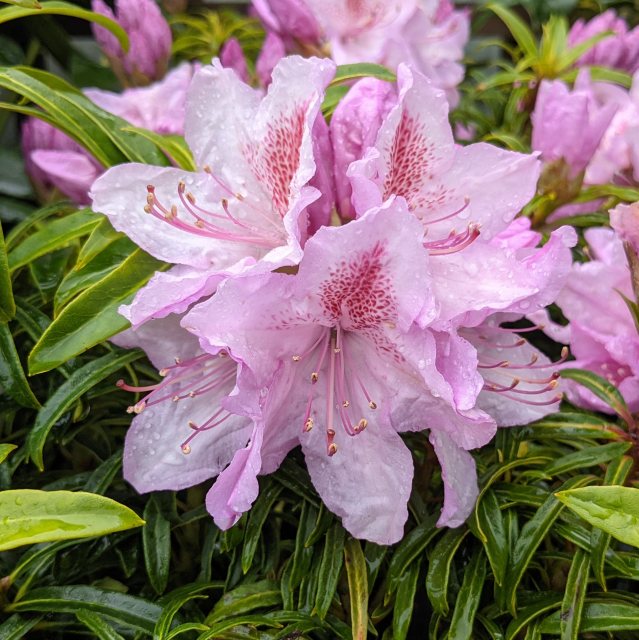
point(250, 199)
point(619, 51)
point(605, 343)
point(624, 219)
point(149, 39)
point(273, 50)
point(428, 34)
point(184, 430)
point(345, 363)
point(52, 159)
point(569, 124)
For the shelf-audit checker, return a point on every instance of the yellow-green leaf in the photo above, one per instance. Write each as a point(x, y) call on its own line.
point(30, 516)
point(357, 587)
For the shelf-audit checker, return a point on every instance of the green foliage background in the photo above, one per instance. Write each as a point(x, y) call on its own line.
point(523, 567)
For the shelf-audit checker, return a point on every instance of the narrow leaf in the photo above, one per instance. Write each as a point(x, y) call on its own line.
point(405, 601)
point(329, 569)
point(588, 457)
point(7, 304)
point(604, 616)
point(12, 379)
point(93, 316)
point(518, 28)
point(357, 587)
point(574, 596)
point(467, 603)
point(98, 626)
point(438, 574)
point(347, 72)
point(156, 539)
point(78, 384)
point(5, 450)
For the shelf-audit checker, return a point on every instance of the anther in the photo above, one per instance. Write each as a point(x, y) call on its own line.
point(337, 350)
point(346, 403)
point(163, 372)
point(361, 425)
point(296, 358)
point(175, 398)
point(186, 449)
point(147, 208)
point(308, 425)
point(332, 449)
point(314, 377)
point(372, 405)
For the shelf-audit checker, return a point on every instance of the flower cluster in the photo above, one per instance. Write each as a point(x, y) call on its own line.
point(332, 287)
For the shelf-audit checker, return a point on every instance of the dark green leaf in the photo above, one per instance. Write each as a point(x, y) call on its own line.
point(16, 627)
point(438, 574)
point(96, 624)
point(245, 598)
point(131, 611)
point(587, 457)
point(605, 617)
point(7, 304)
point(467, 602)
point(404, 602)
point(156, 539)
point(574, 596)
point(93, 316)
point(12, 379)
point(78, 384)
point(526, 615)
point(329, 568)
point(494, 534)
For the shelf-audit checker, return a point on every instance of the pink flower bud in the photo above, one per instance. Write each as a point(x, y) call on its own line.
point(149, 39)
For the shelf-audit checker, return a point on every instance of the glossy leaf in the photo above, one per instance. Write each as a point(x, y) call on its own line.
point(531, 536)
point(573, 425)
point(30, 516)
point(491, 522)
point(330, 568)
point(16, 627)
point(438, 575)
point(52, 236)
point(356, 573)
point(96, 624)
point(12, 379)
point(348, 72)
point(574, 596)
point(93, 316)
point(55, 7)
point(612, 509)
point(5, 450)
point(467, 602)
point(131, 611)
point(7, 304)
point(405, 601)
point(602, 616)
point(528, 614)
point(243, 599)
point(587, 457)
point(78, 384)
point(518, 28)
point(156, 539)
point(602, 389)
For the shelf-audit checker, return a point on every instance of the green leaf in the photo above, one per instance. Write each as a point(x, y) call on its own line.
point(129, 610)
point(526, 615)
point(348, 72)
point(409, 548)
point(518, 28)
point(357, 588)
point(438, 574)
point(245, 598)
point(575, 596)
point(612, 509)
point(30, 516)
point(329, 569)
point(174, 601)
point(61, 401)
point(93, 316)
point(332, 98)
point(604, 616)
point(12, 379)
point(55, 235)
point(15, 627)
point(156, 539)
point(616, 474)
point(7, 304)
point(101, 133)
point(5, 450)
point(602, 389)
point(491, 522)
point(573, 425)
point(404, 602)
point(467, 602)
point(173, 146)
point(588, 457)
point(533, 532)
point(100, 628)
point(55, 7)
point(257, 517)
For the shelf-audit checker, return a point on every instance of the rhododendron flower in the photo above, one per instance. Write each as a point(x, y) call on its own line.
point(150, 39)
point(569, 125)
point(464, 197)
point(620, 50)
point(345, 361)
point(183, 432)
point(273, 50)
point(605, 343)
point(624, 219)
point(52, 159)
point(430, 34)
point(250, 198)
